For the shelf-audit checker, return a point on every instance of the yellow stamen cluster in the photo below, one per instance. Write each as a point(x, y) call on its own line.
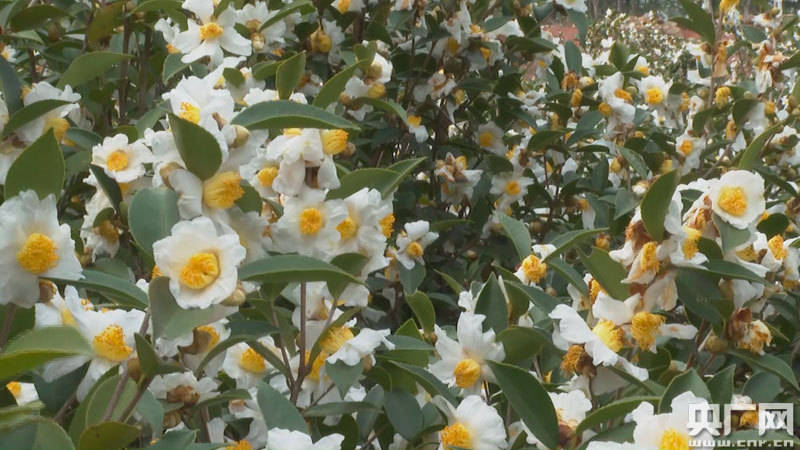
point(38, 254)
point(334, 141)
point(533, 268)
point(210, 30)
point(347, 228)
point(644, 328)
point(189, 112)
point(455, 435)
point(110, 344)
point(654, 96)
point(117, 160)
point(200, 270)
point(311, 220)
point(673, 440)
point(467, 372)
point(612, 336)
point(732, 200)
point(335, 338)
point(252, 362)
point(649, 259)
point(776, 247)
point(222, 190)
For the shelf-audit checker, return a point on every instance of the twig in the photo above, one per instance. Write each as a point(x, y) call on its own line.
point(123, 380)
point(301, 369)
point(8, 319)
point(63, 411)
point(123, 72)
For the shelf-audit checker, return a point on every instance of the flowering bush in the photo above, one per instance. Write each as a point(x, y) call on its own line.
point(393, 224)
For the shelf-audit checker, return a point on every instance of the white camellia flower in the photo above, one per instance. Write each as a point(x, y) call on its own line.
point(33, 245)
point(245, 365)
point(738, 198)
point(54, 119)
point(280, 439)
point(122, 161)
point(357, 347)
point(571, 408)
point(183, 387)
point(23, 393)
point(654, 90)
point(308, 224)
point(490, 137)
point(473, 424)
point(211, 35)
point(201, 265)
point(464, 362)
point(412, 243)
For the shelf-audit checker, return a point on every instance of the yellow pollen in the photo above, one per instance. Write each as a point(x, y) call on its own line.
point(343, 6)
point(486, 53)
point(347, 228)
point(59, 125)
point(486, 139)
point(320, 42)
point(467, 372)
point(189, 112)
point(267, 175)
point(172, 50)
point(222, 190)
point(615, 166)
point(240, 445)
point(649, 261)
point(571, 361)
point(108, 231)
point(605, 109)
point(594, 289)
point(689, 246)
point(110, 344)
point(748, 419)
point(335, 338)
point(512, 187)
point(156, 272)
point(623, 94)
point(38, 254)
point(319, 361)
point(210, 31)
point(654, 96)
point(644, 328)
point(534, 268)
point(732, 200)
point(15, 388)
point(414, 121)
point(415, 249)
point(66, 317)
point(452, 45)
point(455, 435)
point(644, 70)
point(117, 160)
point(730, 130)
point(748, 253)
point(776, 247)
point(611, 336)
point(252, 362)
point(727, 5)
point(311, 221)
point(722, 95)
point(334, 141)
point(387, 224)
point(577, 97)
point(200, 270)
point(673, 440)
point(686, 147)
point(376, 90)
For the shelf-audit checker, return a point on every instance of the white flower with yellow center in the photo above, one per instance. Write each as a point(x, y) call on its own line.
point(472, 425)
point(684, 248)
point(121, 161)
point(654, 91)
point(261, 172)
point(463, 362)
point(667, 431)
point(490, 137)
point(571, 408)
point(738, 198)
point(647, 263)
point(511, 187)
point(55, 119)
point(300, 151)
point(201, 265)
point(99, 233)
point(411, 244)
point(23, 393)
point(253, 16)
point(308, 225)
point(280, 439)
point(183, 387)
point(777, 252)
point(59, 310)
point(361, 231)
point(33, 245)
point(602, 342)
point(245, 365)
point(210, 35)
point(353, 348)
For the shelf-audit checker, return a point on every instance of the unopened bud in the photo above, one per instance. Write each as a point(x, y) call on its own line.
point(237, 298)
point(134, 369)
point(242, 135)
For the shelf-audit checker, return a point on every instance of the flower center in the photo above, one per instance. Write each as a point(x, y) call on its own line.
point(776, 247)
point(574, 360)
point(673, 440)
point(311, 221)
point(467, 372)
point(110, 344)
point(15, 388)
point(59, 125)
point(387, 224)
point(252, 362)
point(415, 249)
point(594, 289)
point(649, 261)
point(335, 338)
point(108, 231)
point(319, 361)
point(512, 187)
point(654, 96)
point(534, 268)
point(38, 254)
point(200, 271)
point(486, 139)
point(623, 94)
point(605, 109)
point(609, 334)
point(222, 190)
point(414, 121)
point(732, 200)
point(267, 175)
point(211, 332)
point(455, 435)
point(689, 246)
point(334, 141)
point(189, 112)
point(644, 328)
point(240, 445)
point(210, 31)
point(686, 147)
point(347, 228)
point(117, 160)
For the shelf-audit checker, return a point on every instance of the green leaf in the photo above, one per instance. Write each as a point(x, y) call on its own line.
point(116, 289)
point(655, 203)
point(199, 149)
point(172, 66)
point(687, 381)
point(108, 185)
point(155, 5)
point(40, 167)
point(33, 16)
point(170, 320)
point(613, 410)
point(108, 436)
point(88, 66)
point(302, 6)
point(492, 304)
point(371, 177)
point(565, 241)
point(149, 361)
point(151, 215)
point(569, 273)
point(635, 160)
point(286, 114)
point(175, 439)
point(151, 411)
point(721, 385)
point(770, 363)
point(752, 154)
point(387, 105)
point(730, 269)
point(293, 268)
point(289, 74)
point(699, 21)
point(233, 76)
point(105, 19)
point(338, 408)
point(607, 272)
point(11, 87)
point(33, 348)
point(343, 376)
point(335, 85)
point(731, 236)
point(29, 113)
point(428, 381)
point(775, 223)
point(411, 278)
point(277, 411)
point(404, 413)
point(573, 57)
point(423, 309)
point(518, 233)
point(529, 399)
point(521, 343)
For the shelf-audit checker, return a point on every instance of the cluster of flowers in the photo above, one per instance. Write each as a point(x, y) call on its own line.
point(596, 138)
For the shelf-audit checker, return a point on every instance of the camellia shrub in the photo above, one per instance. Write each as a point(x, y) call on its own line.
point(396, 224)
